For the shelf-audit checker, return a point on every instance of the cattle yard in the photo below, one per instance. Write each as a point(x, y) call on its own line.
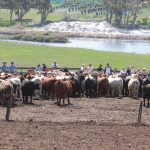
point(88, 123)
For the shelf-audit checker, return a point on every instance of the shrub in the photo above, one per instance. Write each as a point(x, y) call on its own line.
point(145, 21)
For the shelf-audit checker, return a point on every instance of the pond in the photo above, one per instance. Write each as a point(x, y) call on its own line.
point(113, 45)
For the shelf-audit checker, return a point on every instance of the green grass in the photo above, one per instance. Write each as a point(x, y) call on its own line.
point(29, 55)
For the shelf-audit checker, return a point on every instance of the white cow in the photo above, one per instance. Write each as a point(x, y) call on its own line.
point(133, 87)
point(115, 85)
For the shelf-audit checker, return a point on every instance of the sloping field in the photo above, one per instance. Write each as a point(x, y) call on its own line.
point(88, 124)
point(31, 55)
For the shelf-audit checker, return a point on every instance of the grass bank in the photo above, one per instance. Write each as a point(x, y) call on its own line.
point(30, 55)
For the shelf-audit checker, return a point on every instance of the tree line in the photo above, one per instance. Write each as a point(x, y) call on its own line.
point(120, 12)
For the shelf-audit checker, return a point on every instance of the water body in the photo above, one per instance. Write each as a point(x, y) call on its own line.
point(113, 45)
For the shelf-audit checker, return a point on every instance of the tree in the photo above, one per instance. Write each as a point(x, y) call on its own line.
point(44, 7)
point(11, 5)
point(2, 4)
point(23, 6)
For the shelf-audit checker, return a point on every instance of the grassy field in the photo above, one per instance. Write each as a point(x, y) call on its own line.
point(29, 55)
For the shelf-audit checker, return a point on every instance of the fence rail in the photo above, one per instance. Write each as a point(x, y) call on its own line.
point(24, 69)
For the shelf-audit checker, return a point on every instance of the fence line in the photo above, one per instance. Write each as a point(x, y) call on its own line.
point(23, 69)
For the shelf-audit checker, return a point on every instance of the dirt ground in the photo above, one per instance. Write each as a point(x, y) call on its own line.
point(87, 124)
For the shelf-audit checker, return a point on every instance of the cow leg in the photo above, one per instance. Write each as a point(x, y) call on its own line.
point(53, 95)
point(49, 94)
point(20, 93)
point(23, 99)
point(137, 94)
point(31, 99)
point(148, 102)
point(26, 99)
point(9, 105)
point(43, 93)
point(59, 101)
point(79, 93)
point(129, 93)
point(87, 94)
point(120, 92)
point(2, 99)
point(144, 101)
point(113, 93)
point(63, 100)
point(68, 101)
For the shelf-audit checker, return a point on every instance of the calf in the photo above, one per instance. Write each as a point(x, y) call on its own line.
point(63, 89)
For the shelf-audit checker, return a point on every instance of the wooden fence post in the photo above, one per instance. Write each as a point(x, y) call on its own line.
point(140, 113)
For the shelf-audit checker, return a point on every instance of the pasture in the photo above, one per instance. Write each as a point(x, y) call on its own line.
point(91, 124)
point(25, 55)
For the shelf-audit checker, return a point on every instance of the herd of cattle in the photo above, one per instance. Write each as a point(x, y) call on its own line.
point(59, 86)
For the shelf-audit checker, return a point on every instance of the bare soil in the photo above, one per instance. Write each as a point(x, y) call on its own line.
point(87, 124)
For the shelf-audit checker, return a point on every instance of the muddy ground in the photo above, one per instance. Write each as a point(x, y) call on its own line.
point(87, 124)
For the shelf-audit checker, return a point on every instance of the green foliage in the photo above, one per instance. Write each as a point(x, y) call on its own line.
point(68, 18)
point(145, 21)
point(40, 37)
point(4, 23)
point(119, 12)
point(22, 7)
point(44, 8)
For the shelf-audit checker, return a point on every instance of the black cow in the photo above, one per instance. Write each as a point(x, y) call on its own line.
point(76, 84)
point(146, 91)
point(91, 87)
point(28, 88)
point(125, 86)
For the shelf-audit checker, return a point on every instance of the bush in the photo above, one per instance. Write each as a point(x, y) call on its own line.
point(145, 21)
point(68, 19)
point(51, 37)
point(7, 24)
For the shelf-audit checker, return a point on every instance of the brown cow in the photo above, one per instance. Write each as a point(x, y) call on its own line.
point(102, 86)
point(6, 95)
point(48, 86)
point(63, 89)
